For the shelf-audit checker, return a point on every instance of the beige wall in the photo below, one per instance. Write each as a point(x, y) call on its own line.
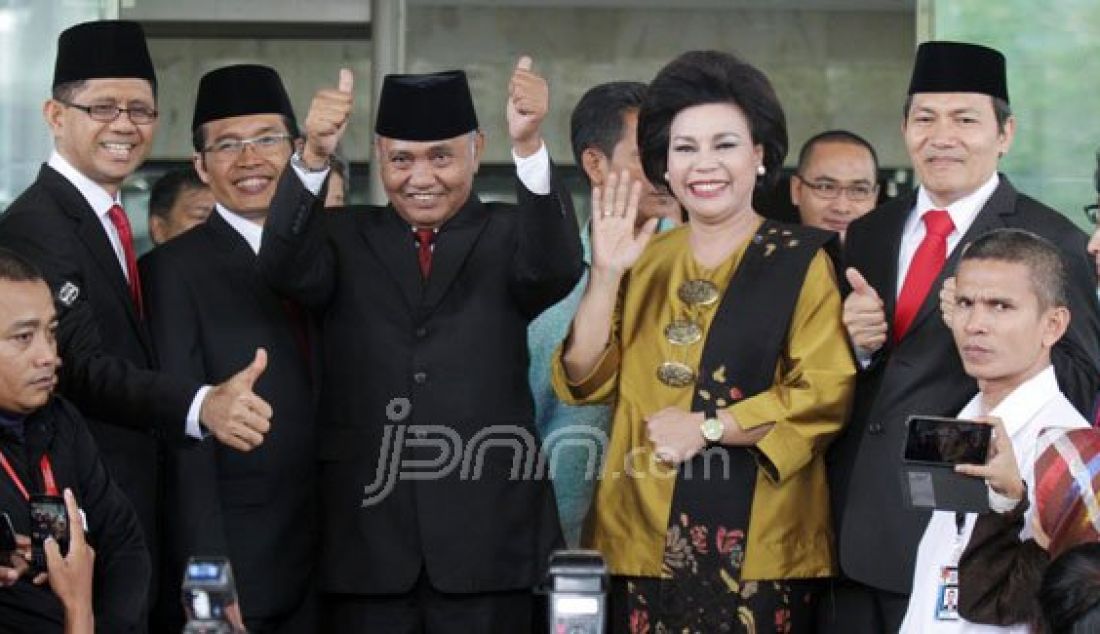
point(831, 68)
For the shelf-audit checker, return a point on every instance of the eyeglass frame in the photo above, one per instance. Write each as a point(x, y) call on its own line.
point(1091, 212)
point(118, 110)
point(872, 194)
point(252, 142)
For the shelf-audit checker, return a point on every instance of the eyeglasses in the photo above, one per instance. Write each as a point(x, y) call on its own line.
point(108, 112)
point(232, 148)
point(1090, 212)
point(831, 191)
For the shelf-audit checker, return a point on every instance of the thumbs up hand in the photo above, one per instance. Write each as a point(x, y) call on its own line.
point(233, 412)
point(864, 316)
point(528, 103)
point(327, 120)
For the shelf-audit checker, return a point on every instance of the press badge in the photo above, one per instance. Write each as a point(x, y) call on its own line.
point(947, 596)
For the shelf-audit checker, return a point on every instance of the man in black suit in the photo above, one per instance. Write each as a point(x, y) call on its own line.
point(208, 312)
point(437, 516)
point(957, 125)
point(70, 223)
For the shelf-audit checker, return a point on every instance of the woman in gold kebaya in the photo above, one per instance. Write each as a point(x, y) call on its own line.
point(721, 344)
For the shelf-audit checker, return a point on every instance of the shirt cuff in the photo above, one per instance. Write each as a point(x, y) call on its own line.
point(534, 171)
point(1000, 503)
point(311, 180)
point(194, 427)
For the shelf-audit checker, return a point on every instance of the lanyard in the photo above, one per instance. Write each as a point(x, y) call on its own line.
point(47, 476)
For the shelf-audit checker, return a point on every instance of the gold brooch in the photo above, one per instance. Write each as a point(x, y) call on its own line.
point(683, 332)
point(698, 292)
point(675, 374)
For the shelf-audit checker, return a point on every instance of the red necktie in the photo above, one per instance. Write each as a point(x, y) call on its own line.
point(924, 268)
point(424, 240)
point(126, 237)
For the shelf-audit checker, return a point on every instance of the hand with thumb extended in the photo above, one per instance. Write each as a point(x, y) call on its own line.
point(234, 413)
point(528, 103)
point(864, 314)
point(328, 119)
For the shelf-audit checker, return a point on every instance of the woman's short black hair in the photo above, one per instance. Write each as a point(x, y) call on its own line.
point(704, 77)
point(1070, 591)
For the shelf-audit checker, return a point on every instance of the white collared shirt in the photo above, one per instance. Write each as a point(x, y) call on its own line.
point(251, 232)
point(963, 212)
point(1034, 406)
point(99, 200)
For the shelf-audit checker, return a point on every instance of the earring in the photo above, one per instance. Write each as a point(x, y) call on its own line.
point(760, 170)
point(666, 176)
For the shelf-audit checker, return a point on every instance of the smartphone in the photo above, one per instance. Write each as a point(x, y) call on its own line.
point(48, 519)
point(7, 539)
point(946, 441)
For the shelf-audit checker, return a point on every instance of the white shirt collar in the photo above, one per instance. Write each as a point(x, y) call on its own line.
point(250, 231)
point(92, 192)
point(963, 211)
point(1022, 403)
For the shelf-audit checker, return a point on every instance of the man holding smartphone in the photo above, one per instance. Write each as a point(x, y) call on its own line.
point(957, 124)
point(1011, 307)
point(45, 448)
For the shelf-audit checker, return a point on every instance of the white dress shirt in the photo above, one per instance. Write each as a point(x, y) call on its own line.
point(1034, 406)
point(251, 232)
point(963, 212)
point(99, 200)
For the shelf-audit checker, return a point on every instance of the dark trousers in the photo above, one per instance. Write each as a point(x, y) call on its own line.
point(425, 610)
point(301, 620)
point(849, 607)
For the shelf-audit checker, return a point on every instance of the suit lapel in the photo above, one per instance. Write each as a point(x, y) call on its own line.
point(885, 252)
point(452, 246)
point(991, 216)
point(230, 246)
point(391, 239)
point(91, 233)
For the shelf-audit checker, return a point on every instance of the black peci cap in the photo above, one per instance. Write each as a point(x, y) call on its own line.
point(105, 49)
point(959, 67)
point(428, 107)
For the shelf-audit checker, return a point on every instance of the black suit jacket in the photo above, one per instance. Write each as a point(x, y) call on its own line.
point(923, 374)
point(107, 354)
point(122, 566)
point(415, 374)
point(209, 311)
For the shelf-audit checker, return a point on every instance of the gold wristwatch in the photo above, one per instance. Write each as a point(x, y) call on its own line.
point(712, 427)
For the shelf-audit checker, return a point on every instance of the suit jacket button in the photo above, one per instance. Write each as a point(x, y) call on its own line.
point(421, 332)
point(874, 428)
point(420, 378)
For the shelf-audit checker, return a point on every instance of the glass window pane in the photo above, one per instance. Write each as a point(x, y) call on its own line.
point(1053, 55)
point(28, 45)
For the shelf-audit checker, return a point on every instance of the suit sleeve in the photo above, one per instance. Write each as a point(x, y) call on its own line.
point(295, 257)
point(193, 495)
point(999, 575)
point(1077, 354)
point(102, 385)
point(547, 260)
point(122, 566)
